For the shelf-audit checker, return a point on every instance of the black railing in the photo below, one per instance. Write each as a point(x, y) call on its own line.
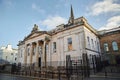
point(76, 68)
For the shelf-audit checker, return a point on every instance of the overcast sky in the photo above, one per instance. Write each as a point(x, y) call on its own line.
point(17, 17)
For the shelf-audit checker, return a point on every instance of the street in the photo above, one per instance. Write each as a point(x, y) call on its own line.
point(13, 77)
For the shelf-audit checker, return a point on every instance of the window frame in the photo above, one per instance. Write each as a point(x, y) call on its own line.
point(115, 45)
point(69, 44)
point(54, 47)
point(92, 43)
point(88, 39)
point(106, 47)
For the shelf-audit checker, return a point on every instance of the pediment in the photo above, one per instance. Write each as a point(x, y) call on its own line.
point(33, 35)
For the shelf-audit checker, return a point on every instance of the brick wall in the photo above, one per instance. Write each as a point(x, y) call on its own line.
point(109, 38)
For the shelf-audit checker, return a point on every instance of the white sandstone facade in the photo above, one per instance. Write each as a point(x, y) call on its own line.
point(8, 54)
point(74, 39)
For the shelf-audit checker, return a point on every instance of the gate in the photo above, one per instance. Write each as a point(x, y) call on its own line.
point(77, 67)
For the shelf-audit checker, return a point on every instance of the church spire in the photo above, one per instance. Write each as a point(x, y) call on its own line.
point(72, 15)
point(71, 19)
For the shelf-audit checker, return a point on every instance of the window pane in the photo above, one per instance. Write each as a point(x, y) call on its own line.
point(69, 43)
point(54, 46)
point(92, 44)
point(88, 41)
point(114, 45)
point(106, 47)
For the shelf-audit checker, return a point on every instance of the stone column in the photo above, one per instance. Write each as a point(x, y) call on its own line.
point(37, 53)
point(31, 53)
point(44, 57)
point(25, 55)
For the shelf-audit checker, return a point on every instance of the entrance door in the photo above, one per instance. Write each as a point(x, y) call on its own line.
point(39, 62)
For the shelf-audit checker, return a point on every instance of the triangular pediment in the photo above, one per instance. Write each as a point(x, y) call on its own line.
point(33, 35)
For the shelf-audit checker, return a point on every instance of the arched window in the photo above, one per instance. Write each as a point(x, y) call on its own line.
point(106, 48)
point(114, 46)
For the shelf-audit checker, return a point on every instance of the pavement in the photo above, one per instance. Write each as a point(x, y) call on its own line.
point(92, 77)
point(107, 75)
point(16, 77)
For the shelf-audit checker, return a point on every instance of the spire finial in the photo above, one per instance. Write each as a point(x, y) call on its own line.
point(71, 15)
point(71, 19)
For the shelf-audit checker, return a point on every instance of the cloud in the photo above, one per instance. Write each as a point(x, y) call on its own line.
point(105, 6)
point(112, 23)
point(37, 8)
point(51, 22)
point(7, 3)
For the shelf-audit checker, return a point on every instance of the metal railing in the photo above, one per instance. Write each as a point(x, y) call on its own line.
point(76, 69)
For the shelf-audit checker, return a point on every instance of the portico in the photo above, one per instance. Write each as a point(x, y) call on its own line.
point(35, 48)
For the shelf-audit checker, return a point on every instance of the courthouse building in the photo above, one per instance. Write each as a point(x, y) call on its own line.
point(75, 38)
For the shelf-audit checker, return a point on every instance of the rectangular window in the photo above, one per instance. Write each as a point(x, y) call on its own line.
point(69, 44)
point(54, 46)
point(92, 43)
point(98, 46)
point(106, 48)
point(88, 41)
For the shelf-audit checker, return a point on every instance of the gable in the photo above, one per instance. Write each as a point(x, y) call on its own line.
point(33, 35)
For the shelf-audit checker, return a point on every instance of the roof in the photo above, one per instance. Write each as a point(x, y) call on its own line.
point(103, 32)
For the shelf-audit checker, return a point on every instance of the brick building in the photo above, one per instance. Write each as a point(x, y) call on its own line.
point(110, 44)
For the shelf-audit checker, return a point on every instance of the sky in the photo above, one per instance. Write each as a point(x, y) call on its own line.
point(17, 17)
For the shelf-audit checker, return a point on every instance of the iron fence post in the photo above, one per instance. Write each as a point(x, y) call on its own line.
point(59, 74)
